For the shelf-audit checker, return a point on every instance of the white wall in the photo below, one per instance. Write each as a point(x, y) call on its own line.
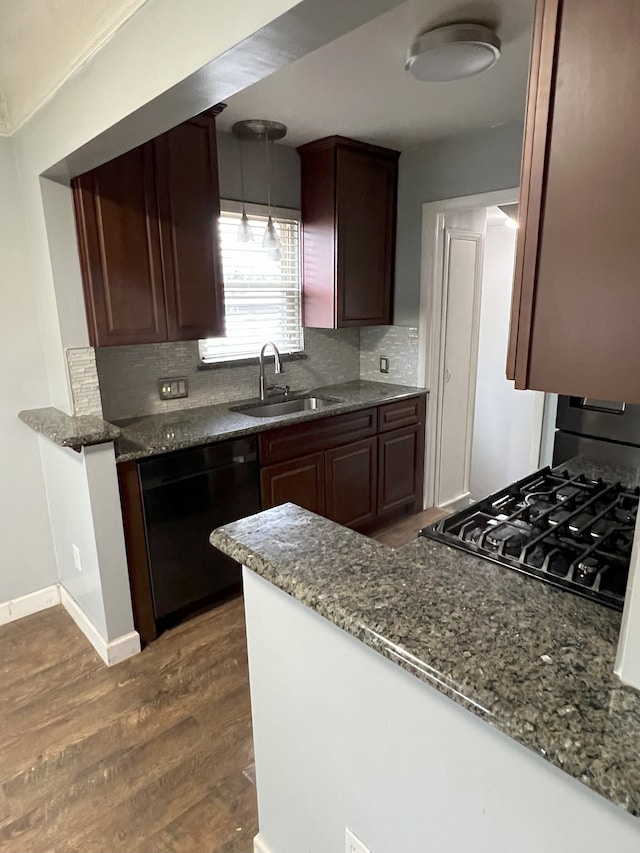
point(468, 164)
point(85, 512)
point(507, 423)
point(345, 737)
point(26, 551)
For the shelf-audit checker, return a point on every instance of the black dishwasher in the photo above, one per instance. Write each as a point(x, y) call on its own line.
point(186, 494)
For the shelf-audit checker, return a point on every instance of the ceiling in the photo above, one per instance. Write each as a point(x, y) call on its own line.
point(354, 86)
point(357, 86)
point(42, 42)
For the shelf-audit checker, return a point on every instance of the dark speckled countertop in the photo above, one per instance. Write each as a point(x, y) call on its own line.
point(150, 435)
point(67, 430)
point(153, 434)
point(534, 661)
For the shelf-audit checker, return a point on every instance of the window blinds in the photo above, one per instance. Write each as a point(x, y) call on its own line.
point(261, 294)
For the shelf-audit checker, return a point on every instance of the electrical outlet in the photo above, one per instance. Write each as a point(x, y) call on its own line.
point(352, 843)
point(76, 558)
point(172, 389)
point(384, 364)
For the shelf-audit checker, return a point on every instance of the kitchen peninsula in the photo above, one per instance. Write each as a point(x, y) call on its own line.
point(347, 641)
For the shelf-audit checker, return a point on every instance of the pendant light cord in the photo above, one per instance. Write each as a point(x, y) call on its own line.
point(242, 176)
point(268, 173)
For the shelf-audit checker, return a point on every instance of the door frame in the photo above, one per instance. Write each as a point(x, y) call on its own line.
point(431, 319)
point(449, 235)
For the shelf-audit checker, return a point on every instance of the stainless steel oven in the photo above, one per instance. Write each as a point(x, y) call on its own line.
point(602, 430)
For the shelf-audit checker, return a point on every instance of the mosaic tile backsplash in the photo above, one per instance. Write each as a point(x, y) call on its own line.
point(399, 344)
point(129, 375)
point(83, 378)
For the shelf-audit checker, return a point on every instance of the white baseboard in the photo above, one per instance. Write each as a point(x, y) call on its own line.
point(111, 652)
point(25, 605)
point(461, 502)
point(260, 845)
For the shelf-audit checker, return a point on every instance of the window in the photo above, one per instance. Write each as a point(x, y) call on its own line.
point(261, 294)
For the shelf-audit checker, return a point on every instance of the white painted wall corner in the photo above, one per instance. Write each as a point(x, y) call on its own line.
point(111, 652)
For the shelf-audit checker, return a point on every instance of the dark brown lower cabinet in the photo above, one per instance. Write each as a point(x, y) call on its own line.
point(356, 483)
point(351, 477)
point(300, 481)
point(400, 473)
point(364, 469)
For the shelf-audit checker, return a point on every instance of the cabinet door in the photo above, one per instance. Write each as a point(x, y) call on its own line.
point(348, 193)
point(119, 241)
point(351, 474)
point(400, 478)
point(365, 233)
point(300, 481)
point(576, 295)
point(189, 203)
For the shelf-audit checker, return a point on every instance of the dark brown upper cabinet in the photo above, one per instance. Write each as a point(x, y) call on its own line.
point(147, 225)
point(349, 199)
point(576, 296)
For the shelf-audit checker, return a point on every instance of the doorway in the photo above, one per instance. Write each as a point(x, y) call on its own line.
point(482, 434)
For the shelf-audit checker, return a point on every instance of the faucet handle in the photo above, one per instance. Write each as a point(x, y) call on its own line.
point(283, 388)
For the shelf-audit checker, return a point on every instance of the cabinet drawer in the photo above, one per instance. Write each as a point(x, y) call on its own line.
point(285, 443)
point(404, 413)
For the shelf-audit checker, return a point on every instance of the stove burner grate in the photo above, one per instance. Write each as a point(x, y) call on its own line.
point(566, 530)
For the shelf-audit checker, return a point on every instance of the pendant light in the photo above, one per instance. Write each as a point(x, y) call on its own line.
point(257, 130)
point(270, 239)
point(245, 232)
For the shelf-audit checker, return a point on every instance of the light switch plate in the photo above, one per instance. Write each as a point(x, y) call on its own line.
point(384, 364)
point(173, 389)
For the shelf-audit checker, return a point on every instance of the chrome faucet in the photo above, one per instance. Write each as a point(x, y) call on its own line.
point(264, 388)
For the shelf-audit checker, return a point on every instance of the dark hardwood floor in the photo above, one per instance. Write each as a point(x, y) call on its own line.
point(154, 754)
point(145, 756)
point(400, 532)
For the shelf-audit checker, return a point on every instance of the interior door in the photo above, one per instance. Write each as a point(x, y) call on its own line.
point(462, 279)
point(507, 426)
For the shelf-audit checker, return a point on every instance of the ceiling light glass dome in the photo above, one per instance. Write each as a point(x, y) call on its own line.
point(453, 52)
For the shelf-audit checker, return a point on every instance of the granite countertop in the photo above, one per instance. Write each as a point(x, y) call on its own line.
point(68, 430)
point(534, 661)
point(161, 433)
point(594, 470)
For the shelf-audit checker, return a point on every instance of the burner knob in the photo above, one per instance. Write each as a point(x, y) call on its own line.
point(586, 571)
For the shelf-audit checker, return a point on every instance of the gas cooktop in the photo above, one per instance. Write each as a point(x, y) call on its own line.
point(564, 529)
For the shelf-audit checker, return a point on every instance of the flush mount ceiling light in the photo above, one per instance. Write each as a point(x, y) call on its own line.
point(452, 52)
point(259, 130)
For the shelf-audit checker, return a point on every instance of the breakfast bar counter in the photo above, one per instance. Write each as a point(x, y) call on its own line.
point(532, 661)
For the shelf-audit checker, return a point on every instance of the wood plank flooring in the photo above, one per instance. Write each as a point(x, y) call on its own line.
point(145, 756)
point(401, 532)
point(154, 755)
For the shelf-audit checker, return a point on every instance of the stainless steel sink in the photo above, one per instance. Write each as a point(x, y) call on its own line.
point(286, 407)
